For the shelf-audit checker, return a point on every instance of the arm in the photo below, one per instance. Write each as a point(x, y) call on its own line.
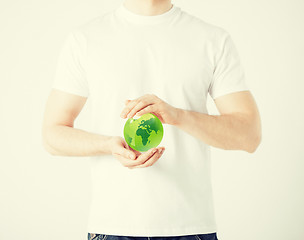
point(58, 133)
point(237, 128)
point(61, 138)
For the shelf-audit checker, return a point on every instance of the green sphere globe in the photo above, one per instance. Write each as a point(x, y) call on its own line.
point(143, 133)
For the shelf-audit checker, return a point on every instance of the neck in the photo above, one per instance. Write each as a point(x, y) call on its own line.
point(148, 7)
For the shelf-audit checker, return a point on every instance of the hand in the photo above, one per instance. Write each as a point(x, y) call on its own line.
point(131, 158)
point(150, 103)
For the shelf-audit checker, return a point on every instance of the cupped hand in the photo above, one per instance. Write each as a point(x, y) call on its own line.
point(150, 103)
point(131, 158)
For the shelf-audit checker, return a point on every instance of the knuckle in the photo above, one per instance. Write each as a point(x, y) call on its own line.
point(143, 101)
point(150, 163)
point(142, 161)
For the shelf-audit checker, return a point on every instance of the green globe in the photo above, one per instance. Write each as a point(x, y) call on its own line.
point(143, 133)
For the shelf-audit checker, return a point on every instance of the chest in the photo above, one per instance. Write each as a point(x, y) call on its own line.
point(148, 61)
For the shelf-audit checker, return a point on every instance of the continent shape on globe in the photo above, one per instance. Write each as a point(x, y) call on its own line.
point(143, 133)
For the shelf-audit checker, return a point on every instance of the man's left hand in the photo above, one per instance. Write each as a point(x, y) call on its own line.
point(150, 103)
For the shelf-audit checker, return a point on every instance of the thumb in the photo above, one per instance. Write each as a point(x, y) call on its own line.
point(126, 153)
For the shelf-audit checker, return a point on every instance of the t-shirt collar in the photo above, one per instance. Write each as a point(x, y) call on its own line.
point(125, 13)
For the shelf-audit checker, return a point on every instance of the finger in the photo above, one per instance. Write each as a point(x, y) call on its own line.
point(126, 153)
point(129, 162)
point(122, 159)
point(137, 153)
point(147, 100)
point(126, 162)
point(140, 106)
point(148, 109)
point(128, 108)
point(126, 145)
point(152, 160)
point(143, 157)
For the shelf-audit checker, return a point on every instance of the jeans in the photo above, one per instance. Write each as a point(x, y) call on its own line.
point(206, 236)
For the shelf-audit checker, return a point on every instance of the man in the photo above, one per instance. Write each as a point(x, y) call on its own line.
point(150, 56)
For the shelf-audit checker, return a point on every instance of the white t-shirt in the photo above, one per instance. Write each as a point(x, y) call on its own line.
point(178, 57)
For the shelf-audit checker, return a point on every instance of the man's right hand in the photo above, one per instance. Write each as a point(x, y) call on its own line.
point(131, 158)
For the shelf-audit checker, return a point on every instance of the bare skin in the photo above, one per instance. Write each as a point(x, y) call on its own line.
point(148, 7)
point(238, 126)
point(60, 138)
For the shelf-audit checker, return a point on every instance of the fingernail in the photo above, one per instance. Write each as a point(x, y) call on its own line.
point(131, 156)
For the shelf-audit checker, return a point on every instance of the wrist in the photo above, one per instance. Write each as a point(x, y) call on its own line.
point(179, 117)
point(109, 144)
point(105, 145)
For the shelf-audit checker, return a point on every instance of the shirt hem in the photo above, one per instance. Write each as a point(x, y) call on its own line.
point(151, 232)
point(75, 92)
point(228, 91)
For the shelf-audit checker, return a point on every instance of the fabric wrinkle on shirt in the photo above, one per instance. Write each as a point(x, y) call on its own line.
point(178, 57)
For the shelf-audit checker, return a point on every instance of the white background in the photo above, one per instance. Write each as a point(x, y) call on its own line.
point(258, 196)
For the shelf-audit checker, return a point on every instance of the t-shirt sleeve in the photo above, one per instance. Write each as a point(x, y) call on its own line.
point(228, 74)
point(70, 73)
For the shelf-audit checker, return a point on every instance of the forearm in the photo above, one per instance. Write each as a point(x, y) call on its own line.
point(68, 141)
point(230, 132)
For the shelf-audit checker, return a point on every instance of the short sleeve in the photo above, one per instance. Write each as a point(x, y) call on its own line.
point(228, 74)
point(70, 74)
